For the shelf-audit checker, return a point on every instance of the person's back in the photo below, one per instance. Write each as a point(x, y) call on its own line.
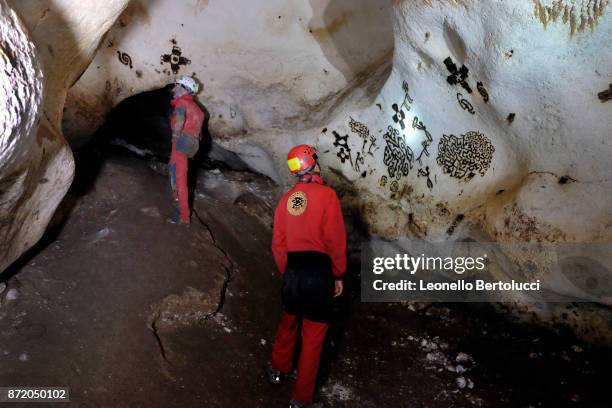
point(309, 245)
point(309, 218)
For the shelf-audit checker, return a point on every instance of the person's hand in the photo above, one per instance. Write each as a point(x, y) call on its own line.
point(339, 286)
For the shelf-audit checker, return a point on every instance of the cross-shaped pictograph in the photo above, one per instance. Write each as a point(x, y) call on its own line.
point(175, 59)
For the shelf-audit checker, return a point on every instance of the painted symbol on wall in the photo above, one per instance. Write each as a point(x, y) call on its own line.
point(417, 124)
point(464, 103)
point(483, 92)
point(175, 59)
point(394, 187)
point(383, 181)
point(457, 76)
point(125, 58)
point(398, 156)
point(407, 98)
point(344, 151)
point(605, 95)
point(464, 156)
point(369, 141)
point(399, 114)
point(425, 173)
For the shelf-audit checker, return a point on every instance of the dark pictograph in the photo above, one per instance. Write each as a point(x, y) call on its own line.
point(605, 95)
point(383, 181)
point(398, 116)
point(398, 156)
point(344, 151)
point(483, 92)
point(464, 103)
point(368, 140)
point(356, 158)
point(175, 59)
point(394, 186)
point(125, 58)
point(457, 75)
point(417, 124)
point(425, 173)
point(400, 110)
point(464, 156)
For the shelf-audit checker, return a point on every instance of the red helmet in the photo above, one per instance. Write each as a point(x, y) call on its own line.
point(301, 158)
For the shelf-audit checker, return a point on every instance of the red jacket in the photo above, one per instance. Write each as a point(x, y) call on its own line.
point(309, 218)
point(194, 117)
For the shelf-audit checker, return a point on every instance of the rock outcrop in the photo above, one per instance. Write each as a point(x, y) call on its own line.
point(44, 47)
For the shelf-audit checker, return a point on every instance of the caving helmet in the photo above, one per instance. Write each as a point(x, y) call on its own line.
point(301, 159)
point(189, 83)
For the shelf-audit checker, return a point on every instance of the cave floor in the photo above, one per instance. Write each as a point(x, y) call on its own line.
point(129, 310)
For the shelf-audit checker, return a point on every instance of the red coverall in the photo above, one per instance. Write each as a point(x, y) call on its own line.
point(194, 117)
point(319, 227)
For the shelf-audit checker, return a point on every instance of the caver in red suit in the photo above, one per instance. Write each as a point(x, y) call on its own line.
point(309, 247)
point(186, 122)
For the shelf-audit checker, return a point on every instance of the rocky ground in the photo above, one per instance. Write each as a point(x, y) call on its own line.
point(130, 310)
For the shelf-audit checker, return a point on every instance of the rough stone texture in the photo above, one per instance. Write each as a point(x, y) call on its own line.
point(291, 64)
point(36, 164)
point(469, 119)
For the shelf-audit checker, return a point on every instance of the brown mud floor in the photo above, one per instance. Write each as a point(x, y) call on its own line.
point(129, 310)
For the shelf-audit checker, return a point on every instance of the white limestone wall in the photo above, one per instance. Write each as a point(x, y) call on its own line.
point(263, 64)
point(524, 157)
point(44, 46)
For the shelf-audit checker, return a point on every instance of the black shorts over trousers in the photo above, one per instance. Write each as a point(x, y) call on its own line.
point(308, 285)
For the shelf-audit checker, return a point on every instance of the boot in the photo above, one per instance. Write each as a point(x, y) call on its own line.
point(274, 376)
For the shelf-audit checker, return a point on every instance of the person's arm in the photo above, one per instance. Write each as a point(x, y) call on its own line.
point(334, 235)
point(179, 121)
point(279, 245)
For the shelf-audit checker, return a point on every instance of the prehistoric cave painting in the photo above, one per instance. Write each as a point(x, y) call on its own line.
point(394, 187)
point(356, 158)
point(460, 76)
point(425, 173)
point(417, 124)
point(175, 58)
point(344, 151)
point(457, 76)
point(578, 14)
point(483, 92)
point(399, 114)
point(125, 58)
point(605, 96)
point(407, 98)
point(464, 103)
point(369, 140)
point(510, 118)
point(464, 156)
point(398, 156)
point(383, 181)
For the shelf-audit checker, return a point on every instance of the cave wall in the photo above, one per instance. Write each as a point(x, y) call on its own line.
point(438, 120)
point(266, 65)
point(45, 46)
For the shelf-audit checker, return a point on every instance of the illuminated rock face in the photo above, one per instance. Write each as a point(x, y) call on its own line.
point(439, 119)
point(54, 40)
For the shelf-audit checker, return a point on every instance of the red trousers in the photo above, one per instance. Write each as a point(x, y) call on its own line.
point(313, 334)
point(178, 167)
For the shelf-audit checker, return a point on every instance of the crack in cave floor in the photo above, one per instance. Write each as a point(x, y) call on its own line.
point(129, 310)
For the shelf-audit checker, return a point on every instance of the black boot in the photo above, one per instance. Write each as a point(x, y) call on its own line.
point(274, 376)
